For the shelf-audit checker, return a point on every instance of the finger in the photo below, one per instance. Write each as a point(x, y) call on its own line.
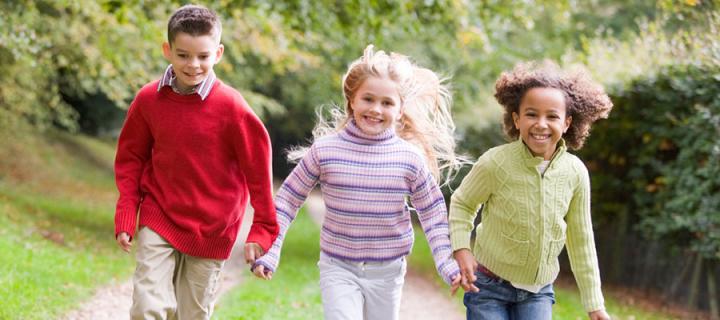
point(473, 288)
point(258, 251)
point(269, 275)
point(259, 271)
point(454, 290)
point(249, 254)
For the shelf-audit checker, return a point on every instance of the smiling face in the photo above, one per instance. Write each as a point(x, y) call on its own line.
point(542, 120)
point(376, 105)
point(192, 58)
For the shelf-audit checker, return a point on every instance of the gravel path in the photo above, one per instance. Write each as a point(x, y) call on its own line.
point(422, 298)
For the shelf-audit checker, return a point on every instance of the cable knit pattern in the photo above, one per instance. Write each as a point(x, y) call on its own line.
point(365, 181)
point(528, 218)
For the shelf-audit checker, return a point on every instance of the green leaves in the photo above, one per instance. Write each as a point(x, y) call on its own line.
point(671, 179)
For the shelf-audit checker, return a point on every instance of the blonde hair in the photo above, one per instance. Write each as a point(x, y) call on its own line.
point(425, 100)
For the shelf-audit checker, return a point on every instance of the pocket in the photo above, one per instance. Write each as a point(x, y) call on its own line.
point(483, 279)
point(511, 251)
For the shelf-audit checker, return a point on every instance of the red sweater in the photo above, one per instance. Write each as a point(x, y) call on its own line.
point(189, 166)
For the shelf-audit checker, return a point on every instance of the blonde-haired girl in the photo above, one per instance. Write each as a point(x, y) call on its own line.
point(392, 141)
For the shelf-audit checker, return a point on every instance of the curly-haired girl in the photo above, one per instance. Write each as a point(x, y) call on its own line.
point(535, 197)
point(390, 142)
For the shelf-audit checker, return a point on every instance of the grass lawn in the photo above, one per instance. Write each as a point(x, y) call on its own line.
point(294, 291)
point(56, 222)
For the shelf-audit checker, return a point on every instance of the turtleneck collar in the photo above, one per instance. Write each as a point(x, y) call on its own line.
point(353, 133)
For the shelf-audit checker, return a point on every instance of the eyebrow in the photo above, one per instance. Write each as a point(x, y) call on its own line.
point(187, 51)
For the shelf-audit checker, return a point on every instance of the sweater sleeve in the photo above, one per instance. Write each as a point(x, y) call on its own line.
point(133, 154)
point(430, 205)
point(255, 161)
point(289, 198)
point(581, 245)
point(466, 200)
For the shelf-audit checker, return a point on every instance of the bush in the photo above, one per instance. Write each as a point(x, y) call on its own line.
point(657, 157)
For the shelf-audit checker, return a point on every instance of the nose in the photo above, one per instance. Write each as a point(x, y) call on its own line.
point(542, 122)
point(194, 62)
point(375, 107)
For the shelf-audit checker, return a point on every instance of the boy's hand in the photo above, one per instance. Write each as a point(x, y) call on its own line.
point(455, 284)
point(123, 240)
point(468, 265)
point(261, 273)
point(253, 251)
point(599, 315)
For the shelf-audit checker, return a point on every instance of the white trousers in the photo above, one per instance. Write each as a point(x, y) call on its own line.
point(168, 284)
point(361, 290)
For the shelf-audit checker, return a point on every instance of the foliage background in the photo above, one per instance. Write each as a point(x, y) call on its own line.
point(75, 65)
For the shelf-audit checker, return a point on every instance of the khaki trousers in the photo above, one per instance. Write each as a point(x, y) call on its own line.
point(168, 284)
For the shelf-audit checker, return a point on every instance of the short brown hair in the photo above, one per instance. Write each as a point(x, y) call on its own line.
point(585, 100)
point(194, 20)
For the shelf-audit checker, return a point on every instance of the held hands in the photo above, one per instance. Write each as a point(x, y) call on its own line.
point(123, 240)
point(467, 263)
point(455, 284)
point(253, 251)
point(599, 315)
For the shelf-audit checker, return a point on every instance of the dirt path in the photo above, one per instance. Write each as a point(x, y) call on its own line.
point(113, 301)
point(422, 298)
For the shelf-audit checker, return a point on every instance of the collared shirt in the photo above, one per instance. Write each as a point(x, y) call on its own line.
point(202, 89)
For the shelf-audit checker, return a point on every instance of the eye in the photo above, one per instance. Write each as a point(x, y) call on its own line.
point(182, 55)
point(388, 103)
point(367, 99)
point(204, 57)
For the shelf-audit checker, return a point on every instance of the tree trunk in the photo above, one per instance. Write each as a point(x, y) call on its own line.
point(712, 290)
point(695, 283)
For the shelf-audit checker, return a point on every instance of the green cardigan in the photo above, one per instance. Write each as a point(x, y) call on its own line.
point(528, 218)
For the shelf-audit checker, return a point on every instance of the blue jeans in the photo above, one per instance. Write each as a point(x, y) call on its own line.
point(499, 300)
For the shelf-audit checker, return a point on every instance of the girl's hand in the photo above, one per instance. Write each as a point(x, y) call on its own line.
point(599, 315)
point(455, 284)
point(123, 240)
point(468, 265)
point(260, 272)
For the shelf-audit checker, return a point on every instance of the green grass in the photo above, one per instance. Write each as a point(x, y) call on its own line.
point(293, 292)
point(56, 224)
point(567, 307)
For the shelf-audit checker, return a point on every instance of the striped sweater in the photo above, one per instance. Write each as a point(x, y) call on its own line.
point(365, 181)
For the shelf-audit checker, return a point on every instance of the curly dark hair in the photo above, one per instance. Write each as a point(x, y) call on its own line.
point(194, 20)
point(585, 100)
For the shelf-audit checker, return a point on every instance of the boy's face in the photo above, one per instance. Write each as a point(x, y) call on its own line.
point(192, 58)
point(542, 120)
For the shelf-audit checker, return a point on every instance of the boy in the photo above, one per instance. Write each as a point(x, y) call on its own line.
point(190, 153)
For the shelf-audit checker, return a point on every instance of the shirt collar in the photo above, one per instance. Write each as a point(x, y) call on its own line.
point(202, 89)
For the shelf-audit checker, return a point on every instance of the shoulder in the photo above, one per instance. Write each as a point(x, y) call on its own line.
point(148, 91)
point(574, 164)
point(500, 154)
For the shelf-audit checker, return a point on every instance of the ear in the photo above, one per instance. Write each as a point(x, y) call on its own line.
point(516, 118)
point(568, 121)
point(167, 52)
point(219, 52)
